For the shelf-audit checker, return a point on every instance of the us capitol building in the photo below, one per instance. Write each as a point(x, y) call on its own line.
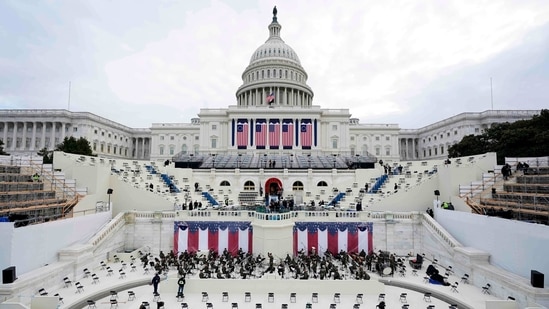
point(274, 114)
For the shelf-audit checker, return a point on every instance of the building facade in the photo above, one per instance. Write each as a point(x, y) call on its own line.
point(274, 114)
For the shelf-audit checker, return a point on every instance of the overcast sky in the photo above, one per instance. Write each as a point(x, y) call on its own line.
point(140, 62)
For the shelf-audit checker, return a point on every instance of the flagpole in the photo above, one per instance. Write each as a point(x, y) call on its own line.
point(69, 103)
point(491, 94)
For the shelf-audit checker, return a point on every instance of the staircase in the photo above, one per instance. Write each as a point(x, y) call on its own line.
point(378, 184)
point(210, 198)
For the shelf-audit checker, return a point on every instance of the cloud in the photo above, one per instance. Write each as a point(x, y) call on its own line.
point(396, 61)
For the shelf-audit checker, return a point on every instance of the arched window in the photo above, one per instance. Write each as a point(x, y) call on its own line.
point(297, 186)
point(249, 186)
point(184, 149)
point(225, 183)
point(322, 183)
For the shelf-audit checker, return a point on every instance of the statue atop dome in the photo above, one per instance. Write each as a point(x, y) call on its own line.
point(275, 11)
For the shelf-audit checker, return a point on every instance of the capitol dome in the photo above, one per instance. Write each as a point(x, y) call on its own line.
point(275, 75)
point(275, 47)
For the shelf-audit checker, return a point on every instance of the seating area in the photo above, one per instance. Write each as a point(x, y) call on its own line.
point(29, 198)
point(151, 176)
point(523, 196)
point(136, 285)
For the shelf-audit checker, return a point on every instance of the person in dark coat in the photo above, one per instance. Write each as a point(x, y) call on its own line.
point(155, 281)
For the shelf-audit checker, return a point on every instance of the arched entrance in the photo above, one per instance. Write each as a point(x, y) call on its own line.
point(273, 190)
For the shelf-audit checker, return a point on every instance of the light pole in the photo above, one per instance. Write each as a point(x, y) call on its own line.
point(109, 193)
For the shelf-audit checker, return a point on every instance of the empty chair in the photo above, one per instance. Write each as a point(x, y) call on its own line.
point(160, 305)
point(465, 278)
point(271, 297)
point(293, 297)
point(381, 297)
point(146, 304)
point(314, 298)
point(247, 297)
point(486, 289)
point(95, 279)
point(156, 297)
point(59, 298)
point(122, 274)
point(109, 272)
point(454, 287)
point(184, 306)
point(205, 296)
point(308, 306)
point(356, 306)
point(225, 296)
point(234, 305)
point(427, 297)
point(42, 292)
point(67, 282)
point(332, 306)
point(405, 306)
point(79, 287)
point(131, 295)
point(403, 297)
point(103, 265)
point(134, 268)
point(431, 307)
point(453, 307)
point(91, 304)
point(359, 298)
point(284, 306)
point(414, 272)
point(87, 273)
point(426, 279)
point(114, 303)
point(337, 297)
point(258, 306)
point(114, 295)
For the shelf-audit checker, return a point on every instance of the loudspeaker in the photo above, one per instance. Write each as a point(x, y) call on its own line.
point(537, 279)
point(437, 193)
point(109, 191)
point(8, 275)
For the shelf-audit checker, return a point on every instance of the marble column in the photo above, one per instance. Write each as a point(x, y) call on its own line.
point(14, 136)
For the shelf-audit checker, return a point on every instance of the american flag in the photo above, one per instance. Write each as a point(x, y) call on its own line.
point(271, 98)
point(351, 237)
point(287, 135)
point(242, 135)
point(274, 134)
point(306, 135)
point(260, 135)
point(217, 235)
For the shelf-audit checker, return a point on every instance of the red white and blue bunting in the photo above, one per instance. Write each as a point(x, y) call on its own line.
point(351, 237)
point(193, 236)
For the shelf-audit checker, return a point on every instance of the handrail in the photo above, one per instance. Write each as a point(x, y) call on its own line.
point(115, 224)
point(440, 231)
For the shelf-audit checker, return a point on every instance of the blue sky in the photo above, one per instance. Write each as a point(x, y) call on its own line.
point(395, 61)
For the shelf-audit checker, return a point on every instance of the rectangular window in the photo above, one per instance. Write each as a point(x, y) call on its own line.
point(334, 127)
point(214, 127)
point(171, 150)
point(214, 143)
point(387, 138)
point(75, 129)
point(388, 151)
point(172, 138)
point(102, 147)
point(377, 138)
point(37, 142)
point(196, 138)
point(161, 150)
point(94, 146)
point(334, 143)
point(441, 149)
point(378, 151)
point(161, 138)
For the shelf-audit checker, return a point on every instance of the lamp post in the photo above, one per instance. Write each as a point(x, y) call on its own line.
point(109, 193)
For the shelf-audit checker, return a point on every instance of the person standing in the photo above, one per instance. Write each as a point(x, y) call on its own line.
point(155, 281)
point(181, 285)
